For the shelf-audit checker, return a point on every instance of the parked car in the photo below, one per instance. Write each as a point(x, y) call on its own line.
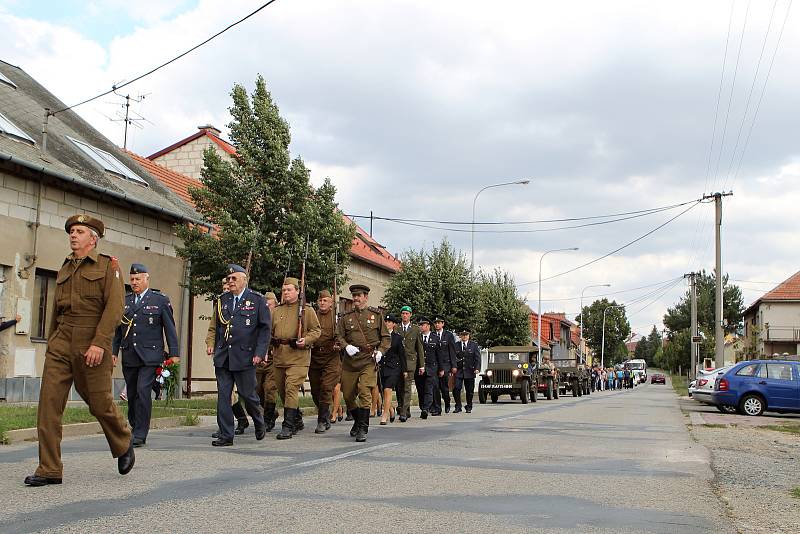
point(691, 387)
point(658, 378)
point(704, 386)
point(756, 386)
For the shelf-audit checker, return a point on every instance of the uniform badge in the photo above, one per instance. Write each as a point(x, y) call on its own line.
point(247, 303)
point(247, 322)
point(151, 320)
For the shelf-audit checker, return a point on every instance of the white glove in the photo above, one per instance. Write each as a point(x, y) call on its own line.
point(351, 350)
point(378, 356)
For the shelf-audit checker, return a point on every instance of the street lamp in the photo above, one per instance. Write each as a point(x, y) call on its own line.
point(603, 342)
point(518, 182)
point(582, 290)
point(539, 321)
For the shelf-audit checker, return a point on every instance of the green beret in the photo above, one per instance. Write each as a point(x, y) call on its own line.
point(406, 308)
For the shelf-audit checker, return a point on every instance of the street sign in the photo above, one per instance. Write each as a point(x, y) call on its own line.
point(697, 339)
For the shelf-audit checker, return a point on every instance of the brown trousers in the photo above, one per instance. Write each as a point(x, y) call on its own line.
point(357, 386)
point(406, 383)
point(64, 364)
point(266, 387)
point(289, 380)
point(323, 377)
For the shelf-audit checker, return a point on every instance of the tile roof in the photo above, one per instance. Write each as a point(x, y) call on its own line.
point(789, 289)
point(177, 182)
point(208, 131)
point(367, 249)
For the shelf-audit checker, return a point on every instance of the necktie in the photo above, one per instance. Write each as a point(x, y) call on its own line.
point(235, 303)
point(138, 300)
point(426, 340)
point(463, 346)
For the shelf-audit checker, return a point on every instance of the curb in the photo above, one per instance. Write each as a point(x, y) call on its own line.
point(91, 428)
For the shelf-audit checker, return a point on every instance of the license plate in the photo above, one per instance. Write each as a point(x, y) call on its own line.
point(498, 386)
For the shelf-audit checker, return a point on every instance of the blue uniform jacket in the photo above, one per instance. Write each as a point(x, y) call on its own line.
point(447, 350)
point(395, 357)
point(144, 326)
point(468, 360)
point(249, 333)
point(431, 353)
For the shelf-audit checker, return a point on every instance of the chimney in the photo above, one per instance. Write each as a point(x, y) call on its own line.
point(210, 129)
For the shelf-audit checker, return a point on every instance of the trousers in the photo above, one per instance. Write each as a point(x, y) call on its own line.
point(466, 383)
point(139, 380)
point(323, 377)
point(246, 387)
point(266, 387)
point(289, 381)
point(357, 386)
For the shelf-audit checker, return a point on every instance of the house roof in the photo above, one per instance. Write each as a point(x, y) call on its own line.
point(177, 182)
point(367, 249)
point(788, 290)
point(203, 131)
point(63, 163)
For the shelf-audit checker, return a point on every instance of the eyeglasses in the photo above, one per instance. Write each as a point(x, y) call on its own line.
point(230, 278)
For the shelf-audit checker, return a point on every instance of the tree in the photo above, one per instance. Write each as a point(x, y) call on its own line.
point(263, 208)
point(617, 330)
point(647, 346)
point(504, 317)
point(436, 282)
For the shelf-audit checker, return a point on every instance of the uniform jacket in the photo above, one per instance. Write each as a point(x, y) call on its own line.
point(431, 349)
point(468, 360)
point(447, 350)
point(364, 329)
point(249, 332)
point(412, 341)
point(89, 295)
point(141, 334)
point(324, 348)
point(394, 360)
point(284, 328)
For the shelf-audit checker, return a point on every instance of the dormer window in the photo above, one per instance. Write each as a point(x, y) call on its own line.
point(12, 130)
point(4, 79)
point(108, 162)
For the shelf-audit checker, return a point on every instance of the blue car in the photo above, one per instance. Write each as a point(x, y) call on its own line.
point(756, 386)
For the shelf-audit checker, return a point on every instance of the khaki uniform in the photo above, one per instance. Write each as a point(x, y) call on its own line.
point(415, 359)
point(366, 330)
point(291, 364)
point(88, 307)
point(326, 363)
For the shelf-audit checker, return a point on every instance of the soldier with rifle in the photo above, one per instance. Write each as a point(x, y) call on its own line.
point(265, 376)
point(326, 365)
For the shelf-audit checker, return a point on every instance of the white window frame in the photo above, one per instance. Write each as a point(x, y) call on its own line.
point(108, 162)
point(9, 128)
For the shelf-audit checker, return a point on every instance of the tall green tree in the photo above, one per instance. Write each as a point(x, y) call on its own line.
point(436, 282)
point(647, 347)
point(617, 330)
point(263, 207)
point(504, 317)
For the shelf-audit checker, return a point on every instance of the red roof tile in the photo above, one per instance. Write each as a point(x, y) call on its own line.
point(367, 249)
point(789, 289)
point(176, 181)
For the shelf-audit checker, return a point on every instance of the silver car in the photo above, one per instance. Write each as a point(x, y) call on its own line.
point(704, 385)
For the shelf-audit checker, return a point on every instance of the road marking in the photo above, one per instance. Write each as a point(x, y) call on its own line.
point(348, 454)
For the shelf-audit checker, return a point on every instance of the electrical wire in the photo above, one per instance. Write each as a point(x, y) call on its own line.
point(176, 58)
point(613, 292)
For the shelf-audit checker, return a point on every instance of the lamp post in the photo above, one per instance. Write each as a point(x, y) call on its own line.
point(603, 342)
point(582, 290)
point(475, 200)
point(539, 321)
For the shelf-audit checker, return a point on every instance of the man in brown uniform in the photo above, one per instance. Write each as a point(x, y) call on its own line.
point(88, 308)
point(415, 359)
point(326, 365)
point(266, 387)
point(365, 338)
point(292, 354)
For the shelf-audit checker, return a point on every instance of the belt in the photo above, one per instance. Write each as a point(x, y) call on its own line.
point(78, 320)
point(278, 341)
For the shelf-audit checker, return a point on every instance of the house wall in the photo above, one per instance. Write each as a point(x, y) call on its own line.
point(188, 159)
point(778, 324)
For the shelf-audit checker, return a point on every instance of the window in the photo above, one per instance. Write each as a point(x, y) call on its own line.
point(747, 370)
point(108, 162)
point(9, 128)
point(44, 290)
point(779, 371)
point(4, 79)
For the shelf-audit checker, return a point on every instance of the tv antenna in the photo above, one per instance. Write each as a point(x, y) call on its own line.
point(130, 118)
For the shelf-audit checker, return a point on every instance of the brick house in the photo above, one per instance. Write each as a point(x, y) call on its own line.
point(772, 322)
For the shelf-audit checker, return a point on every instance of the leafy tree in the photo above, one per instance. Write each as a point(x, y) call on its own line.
point(504, 318)
point(647, 346)
point(263, 207)
point(617, 330)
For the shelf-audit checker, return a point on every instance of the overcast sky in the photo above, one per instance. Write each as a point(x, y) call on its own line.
point(412, 107)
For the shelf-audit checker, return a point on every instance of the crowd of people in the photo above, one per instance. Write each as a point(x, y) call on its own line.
point(619, 377)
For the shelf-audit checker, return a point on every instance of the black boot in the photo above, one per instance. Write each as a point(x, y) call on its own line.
point(363, 426)
point(349, 416)
point(322, 420)
point(298, 421)
point(327, 419)
point(270, 415)
point(287, 428)
point(241, 418)
point(354, 416)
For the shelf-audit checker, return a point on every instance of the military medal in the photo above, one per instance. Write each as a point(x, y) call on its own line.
point(247, 322)
point(151, 320)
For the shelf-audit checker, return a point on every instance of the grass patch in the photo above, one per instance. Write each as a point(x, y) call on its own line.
point(795, 492)
point(788, 428)
point(680, 384)
point(190, 420)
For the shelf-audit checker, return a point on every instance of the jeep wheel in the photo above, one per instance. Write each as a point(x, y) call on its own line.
point(751, 405)
point(534, 392)
point(482, 396)
point(549, 392)
point(494, 398)
point(523, 392)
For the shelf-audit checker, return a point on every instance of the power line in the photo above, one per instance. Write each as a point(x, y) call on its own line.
point(614, 292)
point(626, 245)
point(176, 58)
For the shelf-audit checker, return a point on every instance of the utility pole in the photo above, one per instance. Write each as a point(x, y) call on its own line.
point(719, 336)
point(695, 337)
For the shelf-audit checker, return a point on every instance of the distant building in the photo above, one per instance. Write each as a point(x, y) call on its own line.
point(558, 336)
point(772, 322)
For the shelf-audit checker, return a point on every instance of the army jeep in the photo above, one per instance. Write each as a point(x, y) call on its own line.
point(548, 381)
point(511, 370)
point(573, 378)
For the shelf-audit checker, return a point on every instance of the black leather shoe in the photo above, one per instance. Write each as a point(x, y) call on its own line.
point(391, 418)
point(339, 418)
point(424, 414)
point(436, 414)
point(457, 410)
point(126, 461)
point(240, 427)
point(221, 442)
point(138, 442)
point(215, 435)
point(349, 416)
point(36, 481)
point(402, 418)
point(260, 433)
point(469, 410)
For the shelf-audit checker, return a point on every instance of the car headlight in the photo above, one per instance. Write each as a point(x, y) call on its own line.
point(515, 372)
point(489, 372)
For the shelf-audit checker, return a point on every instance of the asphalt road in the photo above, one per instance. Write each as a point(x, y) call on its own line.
point(610, 462)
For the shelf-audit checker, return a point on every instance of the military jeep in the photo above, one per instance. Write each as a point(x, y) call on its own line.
point(510, 371)
point(548, 381)
point(573, 378)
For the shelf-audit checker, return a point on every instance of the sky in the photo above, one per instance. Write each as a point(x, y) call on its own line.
point(411, 108)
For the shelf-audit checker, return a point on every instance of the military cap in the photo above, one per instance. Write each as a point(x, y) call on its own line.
point(422, 320)
point(392, 318)
point(233, 268)
point(290, 280)
point(438, 319)
point(138, 268)
point(269, 295)
point(464, 332)
point(406, 308)
point(324, 294)
point(355, 289)
point(86, 220)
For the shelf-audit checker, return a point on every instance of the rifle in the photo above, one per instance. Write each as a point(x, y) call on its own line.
point(335, 296)
point(302, 298)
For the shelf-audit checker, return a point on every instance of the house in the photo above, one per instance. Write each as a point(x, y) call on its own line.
point(557, 336)
point(370, 262)
point(44, 180)
point(772, 322)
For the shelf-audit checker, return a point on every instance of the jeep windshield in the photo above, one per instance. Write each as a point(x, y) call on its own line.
point(507, 357)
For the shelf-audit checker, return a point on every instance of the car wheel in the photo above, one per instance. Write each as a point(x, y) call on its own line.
point(724, 408)
point(751, 405)
point(482, 396)
point(534, 393)
point(549, 393)
point(523, 392)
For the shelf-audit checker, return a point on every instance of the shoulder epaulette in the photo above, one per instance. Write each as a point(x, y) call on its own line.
point(155, 290)
point(373, 309)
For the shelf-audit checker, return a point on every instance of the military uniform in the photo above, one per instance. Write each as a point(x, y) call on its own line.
point(291, 362)
point(428, 382)
point(415, 356)
point(266, 387)
point(362, 333)
point(242, 325)
point(147, 320)
point(88, 306)
point(447, 362)
point(326, 366)
point(468, 362)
